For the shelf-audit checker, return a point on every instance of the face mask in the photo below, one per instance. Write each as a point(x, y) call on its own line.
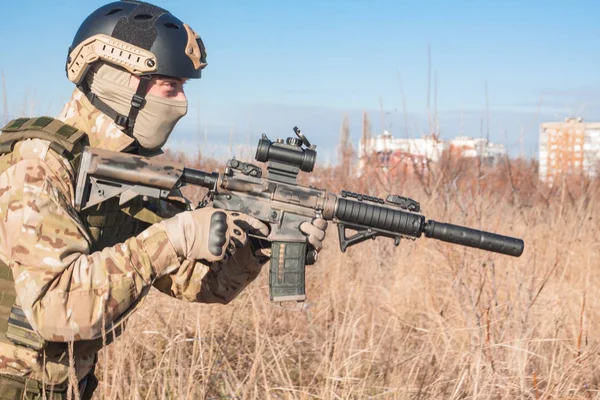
point(156, 119)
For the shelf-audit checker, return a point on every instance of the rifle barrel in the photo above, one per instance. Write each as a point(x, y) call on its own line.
point(402, 222)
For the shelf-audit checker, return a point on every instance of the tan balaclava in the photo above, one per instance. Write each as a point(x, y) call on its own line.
point(156, 119)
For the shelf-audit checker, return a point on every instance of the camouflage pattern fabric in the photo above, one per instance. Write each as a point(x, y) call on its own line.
point(68, 292)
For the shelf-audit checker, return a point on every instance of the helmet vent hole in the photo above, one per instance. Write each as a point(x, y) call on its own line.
point(113, 11)
point(143, 17)
point(171, 25)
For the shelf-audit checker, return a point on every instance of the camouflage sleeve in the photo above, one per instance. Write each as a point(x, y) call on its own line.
point(214, 283)
point(66, 292)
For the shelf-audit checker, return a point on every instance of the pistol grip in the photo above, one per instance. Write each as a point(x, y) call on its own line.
point(287, 271)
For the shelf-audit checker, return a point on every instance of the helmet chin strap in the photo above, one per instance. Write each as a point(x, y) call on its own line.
point(137, 103)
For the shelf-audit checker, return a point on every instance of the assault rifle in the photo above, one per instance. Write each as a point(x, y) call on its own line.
point(279, 201)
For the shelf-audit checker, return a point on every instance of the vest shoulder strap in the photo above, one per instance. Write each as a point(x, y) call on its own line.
point(65, 139)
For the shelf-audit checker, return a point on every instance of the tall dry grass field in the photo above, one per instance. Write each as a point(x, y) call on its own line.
point(423, 320)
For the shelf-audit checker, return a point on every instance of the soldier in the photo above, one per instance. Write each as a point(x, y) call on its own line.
point(67, 279)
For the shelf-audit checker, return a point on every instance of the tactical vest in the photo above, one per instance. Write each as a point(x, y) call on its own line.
point(107, 223)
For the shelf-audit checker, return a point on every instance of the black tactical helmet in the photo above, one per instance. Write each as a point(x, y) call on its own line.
point(143, 39)
point(134, 27)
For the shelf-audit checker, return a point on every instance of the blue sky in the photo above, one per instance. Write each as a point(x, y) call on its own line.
point(276, 64)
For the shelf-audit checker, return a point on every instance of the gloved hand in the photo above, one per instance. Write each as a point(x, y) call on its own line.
point(315, 231)
point(210, 234)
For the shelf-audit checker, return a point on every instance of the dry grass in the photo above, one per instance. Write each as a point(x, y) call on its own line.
point(423, 320)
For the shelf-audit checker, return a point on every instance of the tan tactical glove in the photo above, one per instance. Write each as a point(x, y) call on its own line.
point(315, 230)
point(210, 234)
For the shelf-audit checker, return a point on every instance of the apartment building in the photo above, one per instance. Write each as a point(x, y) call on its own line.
point(571, 147)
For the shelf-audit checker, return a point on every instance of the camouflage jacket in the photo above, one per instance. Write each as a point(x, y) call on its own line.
point(67, 292)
